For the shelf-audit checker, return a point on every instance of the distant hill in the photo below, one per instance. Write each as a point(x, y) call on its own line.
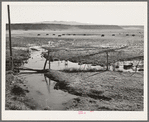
point(133, 27)
point(64, 23)
point(59, 25)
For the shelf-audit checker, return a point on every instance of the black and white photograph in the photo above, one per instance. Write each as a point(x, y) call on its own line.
point(74, 60)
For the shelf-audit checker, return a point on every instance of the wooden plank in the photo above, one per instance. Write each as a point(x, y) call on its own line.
point(36, 70)
point(54, 49)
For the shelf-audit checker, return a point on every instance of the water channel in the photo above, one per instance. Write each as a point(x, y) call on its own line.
point(42, 90)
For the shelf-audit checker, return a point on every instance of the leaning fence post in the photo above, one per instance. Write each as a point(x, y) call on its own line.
point(46, 60)
point(49, 59)
point(11, 58)
point(45, 64)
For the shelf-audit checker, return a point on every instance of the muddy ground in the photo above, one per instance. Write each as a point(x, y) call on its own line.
point(102, 90)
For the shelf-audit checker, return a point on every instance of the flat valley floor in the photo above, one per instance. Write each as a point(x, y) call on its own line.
point(78, 79)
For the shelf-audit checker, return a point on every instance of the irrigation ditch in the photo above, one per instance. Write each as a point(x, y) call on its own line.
point(50, 89)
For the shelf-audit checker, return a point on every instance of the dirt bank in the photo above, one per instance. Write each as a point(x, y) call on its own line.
point(119, 89)
point(16, 94)
point(15, 89)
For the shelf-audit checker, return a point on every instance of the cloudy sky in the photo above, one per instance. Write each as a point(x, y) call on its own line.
point(115, 13)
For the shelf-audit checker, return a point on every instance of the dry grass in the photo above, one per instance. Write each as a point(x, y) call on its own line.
point(25, 41)
point(75, 70)
point(19, 56)
point(109, 90)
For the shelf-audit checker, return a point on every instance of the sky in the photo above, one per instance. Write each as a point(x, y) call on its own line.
point(111, 13)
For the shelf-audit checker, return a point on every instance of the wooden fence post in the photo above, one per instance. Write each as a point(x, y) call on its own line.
point(46, 60)
point(45, 64)
point(49, 59)
point(11, 58)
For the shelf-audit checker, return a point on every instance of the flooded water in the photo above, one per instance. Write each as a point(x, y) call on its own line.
point(119, 66)
point(42, 90)
point(44, 94)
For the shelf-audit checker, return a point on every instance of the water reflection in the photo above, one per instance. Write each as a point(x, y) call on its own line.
point(48, 83)
point(37, 62)
point(66, 64)
point(124, 66)
point(43, 92)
